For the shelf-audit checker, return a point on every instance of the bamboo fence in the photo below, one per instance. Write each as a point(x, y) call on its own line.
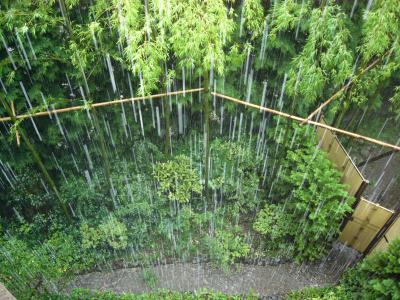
point(310, 122)
point(276, 112)
point(98, 104)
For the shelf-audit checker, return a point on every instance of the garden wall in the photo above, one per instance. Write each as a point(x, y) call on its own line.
point(364, 228)
point(352, 177)
point(367, 220)
point(392, 233)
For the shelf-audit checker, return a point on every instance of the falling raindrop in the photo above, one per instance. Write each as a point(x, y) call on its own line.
point(8, 52)
point(111, 72)
point(23, 50)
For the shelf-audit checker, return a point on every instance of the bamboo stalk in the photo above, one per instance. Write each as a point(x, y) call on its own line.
point(16, 129)
point(345, 87)
point(306, 121)
point(207, 131)
point(39, 161)
point(99, 104)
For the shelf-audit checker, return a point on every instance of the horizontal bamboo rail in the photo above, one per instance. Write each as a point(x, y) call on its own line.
point(292, 117)
point(306, 121)
point(98, 104)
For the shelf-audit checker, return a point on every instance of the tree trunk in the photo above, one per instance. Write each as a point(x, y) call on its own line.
point(40, 163)
point(167, 127)
point(206, 110)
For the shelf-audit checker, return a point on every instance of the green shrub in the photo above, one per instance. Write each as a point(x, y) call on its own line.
point(234, 172)
point(79, 294)
point(376, 277)
point(226, 246)
point(112, 232)
point(178, 179)
point(150, 277)
point(28, 270)
point(310, 201)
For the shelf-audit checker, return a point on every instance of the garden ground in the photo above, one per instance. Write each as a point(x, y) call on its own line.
point(272, 280)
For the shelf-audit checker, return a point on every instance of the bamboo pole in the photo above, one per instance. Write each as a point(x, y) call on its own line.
point(310, 122)
point(167, 109)
point(345, 87)
point(39, 161)
point(207, 131)
point(16, 129)
point(98, 104)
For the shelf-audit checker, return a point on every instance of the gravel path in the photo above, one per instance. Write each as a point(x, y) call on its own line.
point(264, 280)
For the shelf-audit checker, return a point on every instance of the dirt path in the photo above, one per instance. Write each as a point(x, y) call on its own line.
point(269, 280)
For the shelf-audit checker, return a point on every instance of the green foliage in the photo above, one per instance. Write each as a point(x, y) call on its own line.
point(318, 294)
point(380, 29)
point(78, 294)
point(178, 179)
point(226, 246)
point(112, 232)
point(26, 269)
point(325, 58)
point(310, 201)
point(253, 17)
point(143, 32)
point(27, 194)
point(395, 101)
point(150, 278)
point(201, 44)
point(232, 161)
point(376, 277)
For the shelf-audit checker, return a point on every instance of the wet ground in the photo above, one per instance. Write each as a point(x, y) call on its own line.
point(266, 280)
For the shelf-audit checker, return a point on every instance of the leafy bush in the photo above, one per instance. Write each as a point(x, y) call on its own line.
point(376, 277)
point(112, 232)
point(310, 202)
point(234, 172)
point(178, 179)
point(227, 246)
point(27, 270)
point(78, 294)
point(149, 277)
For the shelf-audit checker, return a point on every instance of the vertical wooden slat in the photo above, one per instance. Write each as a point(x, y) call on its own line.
point(389, 232)
point(366, 222)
